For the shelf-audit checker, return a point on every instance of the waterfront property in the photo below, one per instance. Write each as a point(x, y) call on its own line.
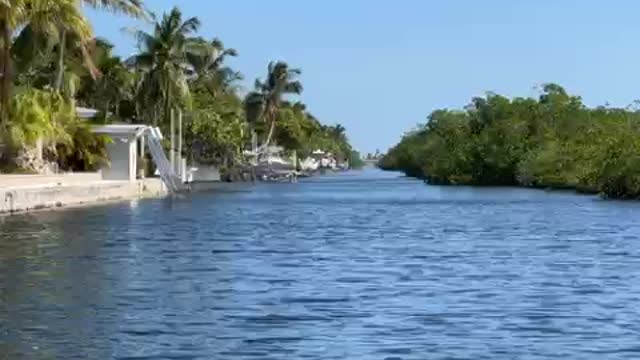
point(126, 147)
point(122, 177)
point(21, 193)
point(52, 97)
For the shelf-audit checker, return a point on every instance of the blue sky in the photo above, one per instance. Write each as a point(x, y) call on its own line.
point(379, 67)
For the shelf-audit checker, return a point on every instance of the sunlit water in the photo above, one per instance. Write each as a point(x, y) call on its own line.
point(354, 266)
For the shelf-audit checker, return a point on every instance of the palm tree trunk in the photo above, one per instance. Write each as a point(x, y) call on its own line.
point(60, 63)
point(5, 86)
point(106, 110)
point(179, 151)
point(168, 114)
point(272, 129)
point(271, 114)
point(155, 116)
point(172, 136)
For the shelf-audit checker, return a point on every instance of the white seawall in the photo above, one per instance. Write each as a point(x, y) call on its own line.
point(26, 193)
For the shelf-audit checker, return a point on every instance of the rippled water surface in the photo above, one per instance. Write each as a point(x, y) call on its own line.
point(354, 266)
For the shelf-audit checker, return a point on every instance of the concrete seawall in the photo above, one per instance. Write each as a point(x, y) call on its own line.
point(31, 193)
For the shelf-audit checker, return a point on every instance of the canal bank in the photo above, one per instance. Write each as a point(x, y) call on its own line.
point(27, 193)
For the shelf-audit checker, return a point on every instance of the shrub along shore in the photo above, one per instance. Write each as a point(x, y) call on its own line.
point(554, 141)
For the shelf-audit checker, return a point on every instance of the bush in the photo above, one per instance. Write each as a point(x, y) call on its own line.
point(553, 141)
point(68, 141)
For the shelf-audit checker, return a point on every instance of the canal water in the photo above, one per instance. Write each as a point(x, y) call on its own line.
point(361, 265)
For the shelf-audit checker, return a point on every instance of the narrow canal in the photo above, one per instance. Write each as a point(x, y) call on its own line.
point(363, 265)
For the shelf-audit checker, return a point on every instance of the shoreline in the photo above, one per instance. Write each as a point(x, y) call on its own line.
point(39, 197)
point(578, 190)
point(23, 194)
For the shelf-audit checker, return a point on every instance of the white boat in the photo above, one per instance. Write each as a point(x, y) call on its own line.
point(309, 164)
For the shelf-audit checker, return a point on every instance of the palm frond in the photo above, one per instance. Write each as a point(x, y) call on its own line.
point(190, 26)
point(133, 8)
point(146, 41)
point(294, 87)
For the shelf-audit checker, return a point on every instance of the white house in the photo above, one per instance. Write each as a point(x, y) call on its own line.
point(86, 113)
point(123, 150)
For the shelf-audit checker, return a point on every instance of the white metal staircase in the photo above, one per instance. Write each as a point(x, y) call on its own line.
point(169, 177)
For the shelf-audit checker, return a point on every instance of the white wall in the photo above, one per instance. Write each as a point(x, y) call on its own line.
point(206, 173)
point(123, 158)
point(38, 197)
point(133, 159)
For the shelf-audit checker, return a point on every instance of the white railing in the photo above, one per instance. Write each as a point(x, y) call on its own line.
point(169, 177)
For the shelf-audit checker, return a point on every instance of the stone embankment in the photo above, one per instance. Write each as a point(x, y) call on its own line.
point(24, 193)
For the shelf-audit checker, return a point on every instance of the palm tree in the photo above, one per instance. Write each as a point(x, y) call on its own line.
point(339, 134)
point(41, 16)
point(339, 131)
point(113, 86)
point(163, 62)
point(13, 14)
point(210, 57)
point(264, 103)
point(207, 66)
point(132, 8)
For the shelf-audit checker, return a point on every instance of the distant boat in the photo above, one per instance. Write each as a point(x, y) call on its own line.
point(272, 167)
point(309, 164)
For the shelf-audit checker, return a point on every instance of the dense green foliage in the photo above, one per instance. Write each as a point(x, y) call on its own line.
point(50, 62)
point(553, 141)
point(46, 115)
point(44, 54)
point(299, 130)
point(355, 160)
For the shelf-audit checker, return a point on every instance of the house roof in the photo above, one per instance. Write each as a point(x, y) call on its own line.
point(86, 113)
point(120, 129)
